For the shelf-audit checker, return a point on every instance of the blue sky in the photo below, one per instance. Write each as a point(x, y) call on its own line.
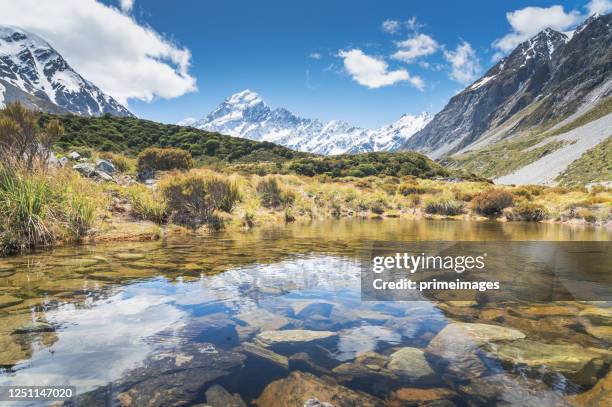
point(326, 59)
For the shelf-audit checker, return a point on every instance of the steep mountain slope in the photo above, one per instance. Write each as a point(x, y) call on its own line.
point(246, 115)
point(544, 80)
point(34, 73)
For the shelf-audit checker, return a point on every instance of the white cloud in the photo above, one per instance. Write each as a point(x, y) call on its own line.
point(413, 24)
point(599, 7)
point(529, 21)
point(125, 59)
point(417, 46)
point(315, 55)
point(390, 26)
point(374, 72)
point(465, 66)
point(126, 5)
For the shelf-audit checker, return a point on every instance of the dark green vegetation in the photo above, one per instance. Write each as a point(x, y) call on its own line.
point(492, 202)
point(363, 165)
point(132, 136)
point(164, 159)
point(593, 166)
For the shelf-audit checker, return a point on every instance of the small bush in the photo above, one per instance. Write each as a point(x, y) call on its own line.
point(443, 206)
point(414, 200)
point(463, 195)
point(26, 206)
point(492, 202)
point(147, 204)
point(530, 212)
point(223, 193)
point(272, 196)
point(390, 189)
point(164, 159)
point(409, 188)
point(193, 197)
point(378, 205)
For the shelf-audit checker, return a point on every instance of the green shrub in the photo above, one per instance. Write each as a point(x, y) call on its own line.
point(443, 206)
point(492, 202)
point(390, 189)
point(147, 204)
point(193, 197)
point(530, 212)
point(414, 200)
point(272, 196)
point(409, 188)
point(26, 206)
point(223, 193)
point(164, 159)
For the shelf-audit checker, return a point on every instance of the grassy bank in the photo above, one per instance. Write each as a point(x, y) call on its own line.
point(167, 190)
point(59, 205)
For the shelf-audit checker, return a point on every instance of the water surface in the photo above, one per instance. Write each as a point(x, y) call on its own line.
point(164, 321)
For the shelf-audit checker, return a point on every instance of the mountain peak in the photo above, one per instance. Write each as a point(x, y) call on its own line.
point(245, 114)
point(34, 73)
point(246, 97)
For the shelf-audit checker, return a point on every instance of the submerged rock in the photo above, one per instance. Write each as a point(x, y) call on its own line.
point(417, 397)
point(363, 339)
point(316, 403)
point(597, 315)
point(291, 336)
point(410, 363)
point(217, 396)
point(366, 370)
point(599, 396)
point(11, 352)
point(263, 319)
point(302, 361)
point(129, 256)
point(502, 389)
point(573, 361)
point(9, 300)
point(169, 378)
point(457, 344)
point(600, 332)
point(34, 327)
point(266, 355)
point(299, 388)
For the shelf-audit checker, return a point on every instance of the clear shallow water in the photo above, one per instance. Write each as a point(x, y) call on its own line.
point(164, 321)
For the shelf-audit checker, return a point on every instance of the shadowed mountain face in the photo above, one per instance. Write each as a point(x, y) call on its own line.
point(35, 74)
point(541, 82)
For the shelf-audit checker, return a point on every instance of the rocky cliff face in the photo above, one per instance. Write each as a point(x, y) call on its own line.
point(543, 80)
point(34, 73)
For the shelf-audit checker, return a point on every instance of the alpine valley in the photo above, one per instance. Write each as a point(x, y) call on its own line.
point(541, 115)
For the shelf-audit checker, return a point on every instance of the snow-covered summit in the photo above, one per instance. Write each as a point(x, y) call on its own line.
point(34, 73)
point(245, 114)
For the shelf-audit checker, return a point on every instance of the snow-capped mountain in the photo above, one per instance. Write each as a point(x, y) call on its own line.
point(34, 73)
point(542, 80)
point(246, 115)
